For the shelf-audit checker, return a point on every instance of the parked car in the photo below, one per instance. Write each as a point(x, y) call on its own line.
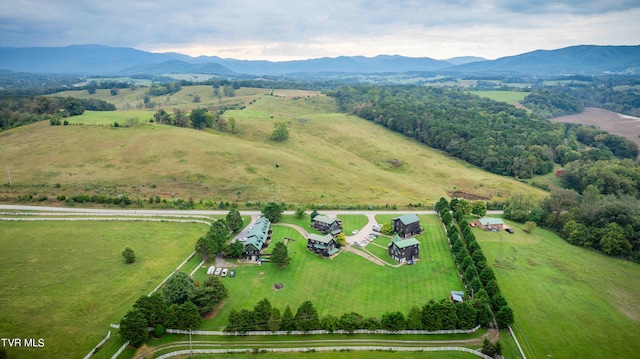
point(358, 244)
point(509, 230)
point(355, 231)
point(232, 273)
point(224, 272)
point(376, 228)
point(218, 271)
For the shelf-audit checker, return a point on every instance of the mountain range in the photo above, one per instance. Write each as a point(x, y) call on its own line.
point(103, 60)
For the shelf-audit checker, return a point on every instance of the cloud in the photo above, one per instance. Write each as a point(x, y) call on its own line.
point(287, 29)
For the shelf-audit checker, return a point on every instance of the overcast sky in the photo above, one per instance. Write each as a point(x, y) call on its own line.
point(300, 29)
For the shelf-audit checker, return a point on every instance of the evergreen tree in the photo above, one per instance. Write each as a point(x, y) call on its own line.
point(306, 318)
point(234, 220)
point(280, 255)
point(288, 321)
point(133, 327)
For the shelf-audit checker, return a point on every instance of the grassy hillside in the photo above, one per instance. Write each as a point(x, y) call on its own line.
point(568, 302)
point(329, 158)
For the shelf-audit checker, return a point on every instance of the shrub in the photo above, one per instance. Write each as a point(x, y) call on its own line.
point(128, 255)
point(159, 331)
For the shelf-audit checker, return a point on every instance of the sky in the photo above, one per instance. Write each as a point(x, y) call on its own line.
point(300, 29)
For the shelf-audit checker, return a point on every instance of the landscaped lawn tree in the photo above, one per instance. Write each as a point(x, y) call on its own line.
point(274, 320)
point(234, 220)
point(273, 211)
point(134, 328)
point(128, 255)
point(178, 288)
point(209, 295)
point(214, 241)
point(386, 228)
point(529, 226)
point(314, 214)
point(280, 255)
point(300, 212)
point(341, 239)
point(235, 249)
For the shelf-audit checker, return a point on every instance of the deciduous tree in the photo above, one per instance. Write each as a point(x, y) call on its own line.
point(273, 211)
point(280, 132)
point(178, 288)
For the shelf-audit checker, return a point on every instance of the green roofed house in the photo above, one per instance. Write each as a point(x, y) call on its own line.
point(324, 245)
point(404, 250)
point(490, 224)
point(326, 225)
point(257, 239)
point(407, 225)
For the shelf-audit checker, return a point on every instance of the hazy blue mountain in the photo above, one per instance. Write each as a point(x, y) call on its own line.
point(583, 59)
point(76, 59)
point(460, 60)
point(103, 60)
point(178, 67)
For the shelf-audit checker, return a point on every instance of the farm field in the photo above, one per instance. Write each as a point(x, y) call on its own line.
point(65, 282)
point(568, 302)
point(510, 97)
point(345, 283)
point(612, 122)
point(369, 165)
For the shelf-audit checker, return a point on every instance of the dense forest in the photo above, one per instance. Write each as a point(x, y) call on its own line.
point(495, 136)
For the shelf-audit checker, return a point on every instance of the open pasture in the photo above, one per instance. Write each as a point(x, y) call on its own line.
point(65, 282)
point(510, 97)
point(568, 302)
point(345, 283)
point(330, 158)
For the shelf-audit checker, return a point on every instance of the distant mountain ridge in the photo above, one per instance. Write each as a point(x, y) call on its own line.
point(104, 60)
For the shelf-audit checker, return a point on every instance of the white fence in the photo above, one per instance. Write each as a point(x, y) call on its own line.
point(93, 351)
point(325, 349)
point(318, 332)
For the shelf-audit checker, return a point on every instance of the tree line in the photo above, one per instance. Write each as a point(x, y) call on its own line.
point(432, 316)
point(475, 272)
point(23, 110)
point(494, 136)
point(179, 306)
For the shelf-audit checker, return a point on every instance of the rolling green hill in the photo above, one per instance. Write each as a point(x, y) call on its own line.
point(329, 158)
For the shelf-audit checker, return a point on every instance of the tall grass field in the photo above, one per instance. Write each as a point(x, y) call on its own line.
point(329, 158)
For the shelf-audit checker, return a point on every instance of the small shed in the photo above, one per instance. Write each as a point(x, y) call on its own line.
point(457, 296)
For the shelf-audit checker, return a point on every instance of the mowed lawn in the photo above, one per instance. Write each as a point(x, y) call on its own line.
point(65, 282)
point(568, 302)
point(345, 283)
